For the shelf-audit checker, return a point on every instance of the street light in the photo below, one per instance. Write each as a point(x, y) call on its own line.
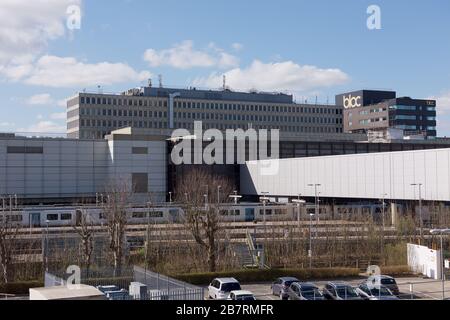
point(235, 196)
point(383, 205)
point(441, 232)
point(420, 207)
point(310, 240)
point(170, 197)
point(316, 185)
point(264, 200)
point(218, 194)
point(299, 202)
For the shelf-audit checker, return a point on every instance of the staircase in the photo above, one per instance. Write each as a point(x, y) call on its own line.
point(244, 255)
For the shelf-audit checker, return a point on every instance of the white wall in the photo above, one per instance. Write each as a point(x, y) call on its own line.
point(356, 176)
point(425, 261)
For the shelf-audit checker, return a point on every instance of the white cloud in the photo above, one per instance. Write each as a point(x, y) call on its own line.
point(27, 26)
point(279, 76)
point(58, 116)
point(185, 56)
point(44, 127)
point(442, 103)
point(58, 72)
point(7, 124)
point(237, 46)
point(40, 99)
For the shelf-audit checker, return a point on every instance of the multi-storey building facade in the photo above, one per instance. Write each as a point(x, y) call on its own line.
point(92, 116)
point(383, 110)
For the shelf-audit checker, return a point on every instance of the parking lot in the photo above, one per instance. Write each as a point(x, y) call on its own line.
point(410, 288)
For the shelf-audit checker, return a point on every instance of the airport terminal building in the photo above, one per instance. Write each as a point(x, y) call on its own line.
point(63, 170)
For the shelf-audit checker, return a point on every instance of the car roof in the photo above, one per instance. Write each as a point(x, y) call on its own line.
point(227, 280)
point(383, 277)
point(242, 292)
point(288, 278)
point(306, 284)
point(339, 284)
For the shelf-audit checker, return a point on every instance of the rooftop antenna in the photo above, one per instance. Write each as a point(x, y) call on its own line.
point(224, 82)
point(316, 100)
point(150, 82)
point(160, 78)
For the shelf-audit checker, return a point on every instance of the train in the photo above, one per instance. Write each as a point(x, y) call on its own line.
point(65, 216)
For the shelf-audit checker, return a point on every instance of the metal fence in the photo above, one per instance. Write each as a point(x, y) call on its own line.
point(158, 286)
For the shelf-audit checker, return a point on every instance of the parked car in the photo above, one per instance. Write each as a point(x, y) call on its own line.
point(281, 286)
point(340, 291)
point(389, 282)
point(220, 288)
point(241, 295)
point(369, 293)
point(304, 291)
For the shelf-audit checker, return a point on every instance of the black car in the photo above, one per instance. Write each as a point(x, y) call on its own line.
point(389, 283)
point(340, 291)
point(281, 286)
point(304, 291)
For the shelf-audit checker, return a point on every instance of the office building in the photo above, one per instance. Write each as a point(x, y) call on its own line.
point(94, 115)
point(369, 110)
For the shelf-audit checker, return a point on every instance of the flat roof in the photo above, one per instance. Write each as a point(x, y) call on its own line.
point(78, 291)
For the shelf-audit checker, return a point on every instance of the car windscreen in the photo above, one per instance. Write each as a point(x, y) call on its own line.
point(289, 282)
point(245, 298)
point(346, 292)
point(311, 292)
point(232, 286)
point(380, 292)
point(388, 281)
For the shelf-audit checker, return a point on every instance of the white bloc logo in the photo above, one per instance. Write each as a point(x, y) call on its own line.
point(351, 102)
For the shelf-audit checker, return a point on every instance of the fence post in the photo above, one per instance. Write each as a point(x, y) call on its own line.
point(411, 290)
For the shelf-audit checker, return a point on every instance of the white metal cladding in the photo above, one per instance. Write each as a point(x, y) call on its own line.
point(363, 176)
point(76, 168)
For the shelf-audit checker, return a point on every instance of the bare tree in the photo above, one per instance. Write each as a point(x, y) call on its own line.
point(85, 229)
point(117, 199)
point(8, 234)
point(203, 194)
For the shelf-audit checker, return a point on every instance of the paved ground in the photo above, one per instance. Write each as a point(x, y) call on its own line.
point(422, 288)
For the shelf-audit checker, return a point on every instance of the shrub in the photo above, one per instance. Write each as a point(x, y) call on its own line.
point(397, 271)
point(249, 276)
point(19, 288)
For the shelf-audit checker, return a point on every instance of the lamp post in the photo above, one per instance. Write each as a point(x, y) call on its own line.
point(420, 208)
point(316, 196)
point(170, 197)
point(299, 202)
point(236, 197)
point(218, 194)
point(46, 246)
point(441, 232)
point(264, 200)
point(310, 240)
point(383, 209)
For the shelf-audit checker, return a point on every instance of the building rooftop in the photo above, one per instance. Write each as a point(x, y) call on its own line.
point(73, 292)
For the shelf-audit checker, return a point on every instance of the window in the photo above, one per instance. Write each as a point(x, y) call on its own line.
point(140, 182)
point(52, 217)
point(30, 150)
point(66, 216)
point(140, 150)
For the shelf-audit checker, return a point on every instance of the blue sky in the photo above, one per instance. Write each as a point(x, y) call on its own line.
point(309, 48)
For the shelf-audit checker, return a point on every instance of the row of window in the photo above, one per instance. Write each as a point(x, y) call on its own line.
point(412, 108)
point(139, 102)
point(99, 134)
